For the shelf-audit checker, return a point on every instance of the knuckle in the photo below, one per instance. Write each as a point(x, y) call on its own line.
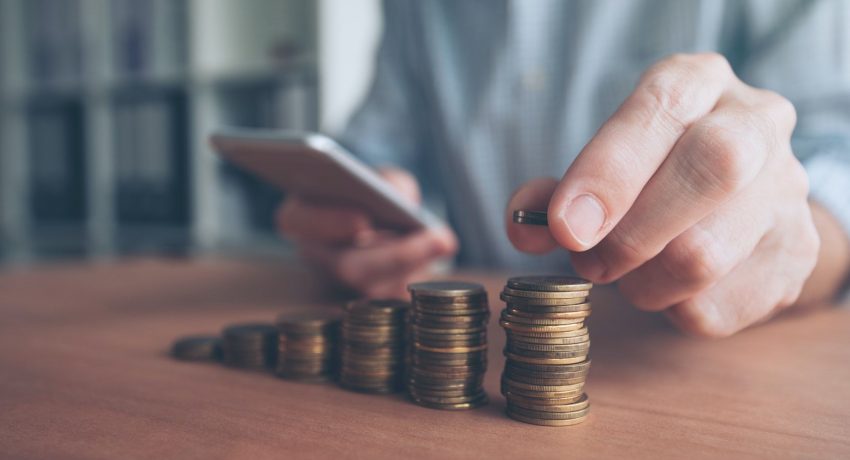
point(622, 247)
point(665, 91)
point(723, 163)
point(700, 318)
point(798, 178)
point(692, 259)
point(779, 108)
point(716, 62)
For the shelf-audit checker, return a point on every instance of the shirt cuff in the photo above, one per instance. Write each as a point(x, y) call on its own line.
point(829, 185)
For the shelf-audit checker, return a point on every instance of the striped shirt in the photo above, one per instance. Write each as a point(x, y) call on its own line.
point(478, 96)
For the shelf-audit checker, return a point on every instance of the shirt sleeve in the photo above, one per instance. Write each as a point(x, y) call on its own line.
point(801, 50)
point(388, 127)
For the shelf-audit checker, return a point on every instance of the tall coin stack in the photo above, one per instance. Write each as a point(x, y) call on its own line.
point(249, 346)
point(373, 345)
point(307, 349)
point(546, 349)
point(447, 345)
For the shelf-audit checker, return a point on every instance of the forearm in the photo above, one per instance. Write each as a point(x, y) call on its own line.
point(833, 266)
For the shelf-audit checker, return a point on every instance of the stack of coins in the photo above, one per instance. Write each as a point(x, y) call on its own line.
point(307, 346)
point(250, 346)
point(197, 348)
point(546, 349)
point(448, 345)
point(373, 345)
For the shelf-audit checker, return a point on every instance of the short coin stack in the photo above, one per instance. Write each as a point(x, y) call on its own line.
point(197, 348)
point(373, 345)
point(307, 346)
point(546, 349)
point(250, 346)
point(447, 345)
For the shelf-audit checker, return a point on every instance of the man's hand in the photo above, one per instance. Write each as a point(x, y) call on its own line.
point(343, 242)
point(690, 196)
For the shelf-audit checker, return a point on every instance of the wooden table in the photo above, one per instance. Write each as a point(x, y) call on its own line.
point(84, 373)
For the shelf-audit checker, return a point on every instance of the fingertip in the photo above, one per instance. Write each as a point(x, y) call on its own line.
point(577, 221)
point(404, 182)
point(444, 241)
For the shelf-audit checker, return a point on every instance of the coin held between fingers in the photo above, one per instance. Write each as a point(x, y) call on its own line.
point(522, 216)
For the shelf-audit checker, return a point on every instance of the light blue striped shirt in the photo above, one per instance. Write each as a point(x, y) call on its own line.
point(478, 96)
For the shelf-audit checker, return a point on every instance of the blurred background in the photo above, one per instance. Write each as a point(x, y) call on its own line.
point(106, 106)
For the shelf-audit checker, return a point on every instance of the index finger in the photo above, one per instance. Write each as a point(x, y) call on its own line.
point(613, 168)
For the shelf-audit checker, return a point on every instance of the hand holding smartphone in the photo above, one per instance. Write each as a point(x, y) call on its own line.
point(333, 200)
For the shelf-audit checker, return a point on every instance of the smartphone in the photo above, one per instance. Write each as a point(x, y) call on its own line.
point(317, 168)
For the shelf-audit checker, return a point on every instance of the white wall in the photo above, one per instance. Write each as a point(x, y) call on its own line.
point(349, 31)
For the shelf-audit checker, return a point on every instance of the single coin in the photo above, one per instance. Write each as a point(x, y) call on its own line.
point(458, 406)
point(515, 398)
point(386, 306)
point(561, 311)
point(547, 316)
point(549, 341)
point(545, 294)
point(549, 283)
point(543, 422)
point(582, 367)
point(453, 312)
point(315, 321)
point(522, 335)
point(197, 348)
point(524, 348)
point(446, 399)
point(545, 381)
point(537, 360)
point(450, 350)
point(544, 388)
point(547, 354)
point(580, 403)
point(522, 216)
point(446, 289)
point(538, 321)
point(541, 329)
point(547, 415)
point(546, 395)
point(540, 302)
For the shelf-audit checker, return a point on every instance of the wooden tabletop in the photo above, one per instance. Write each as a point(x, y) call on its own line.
point(84, 373)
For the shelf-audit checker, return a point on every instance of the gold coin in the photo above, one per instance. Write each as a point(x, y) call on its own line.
point(544, 388)
point(550, 316)
point(549, 283)
point(521, 347)
point(523, 335)
point(545, 294)
point(541, 329)
point(524, 359)
point(451, 350)
point(457, 406)
point(542, 395)
point(538, 321)
point(542, 422)
point(446, 289)
point(540, 302)
point(548, 415)
point(580, 403)
point(385, 306)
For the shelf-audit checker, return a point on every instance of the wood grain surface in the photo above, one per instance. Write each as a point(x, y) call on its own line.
point(84, 373)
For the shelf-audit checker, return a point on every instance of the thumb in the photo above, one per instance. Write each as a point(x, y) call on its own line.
point(402, 181)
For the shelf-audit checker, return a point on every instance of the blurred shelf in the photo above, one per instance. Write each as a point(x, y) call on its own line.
point(145, 82)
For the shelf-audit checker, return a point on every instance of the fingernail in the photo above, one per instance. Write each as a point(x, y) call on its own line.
point(584, 217)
